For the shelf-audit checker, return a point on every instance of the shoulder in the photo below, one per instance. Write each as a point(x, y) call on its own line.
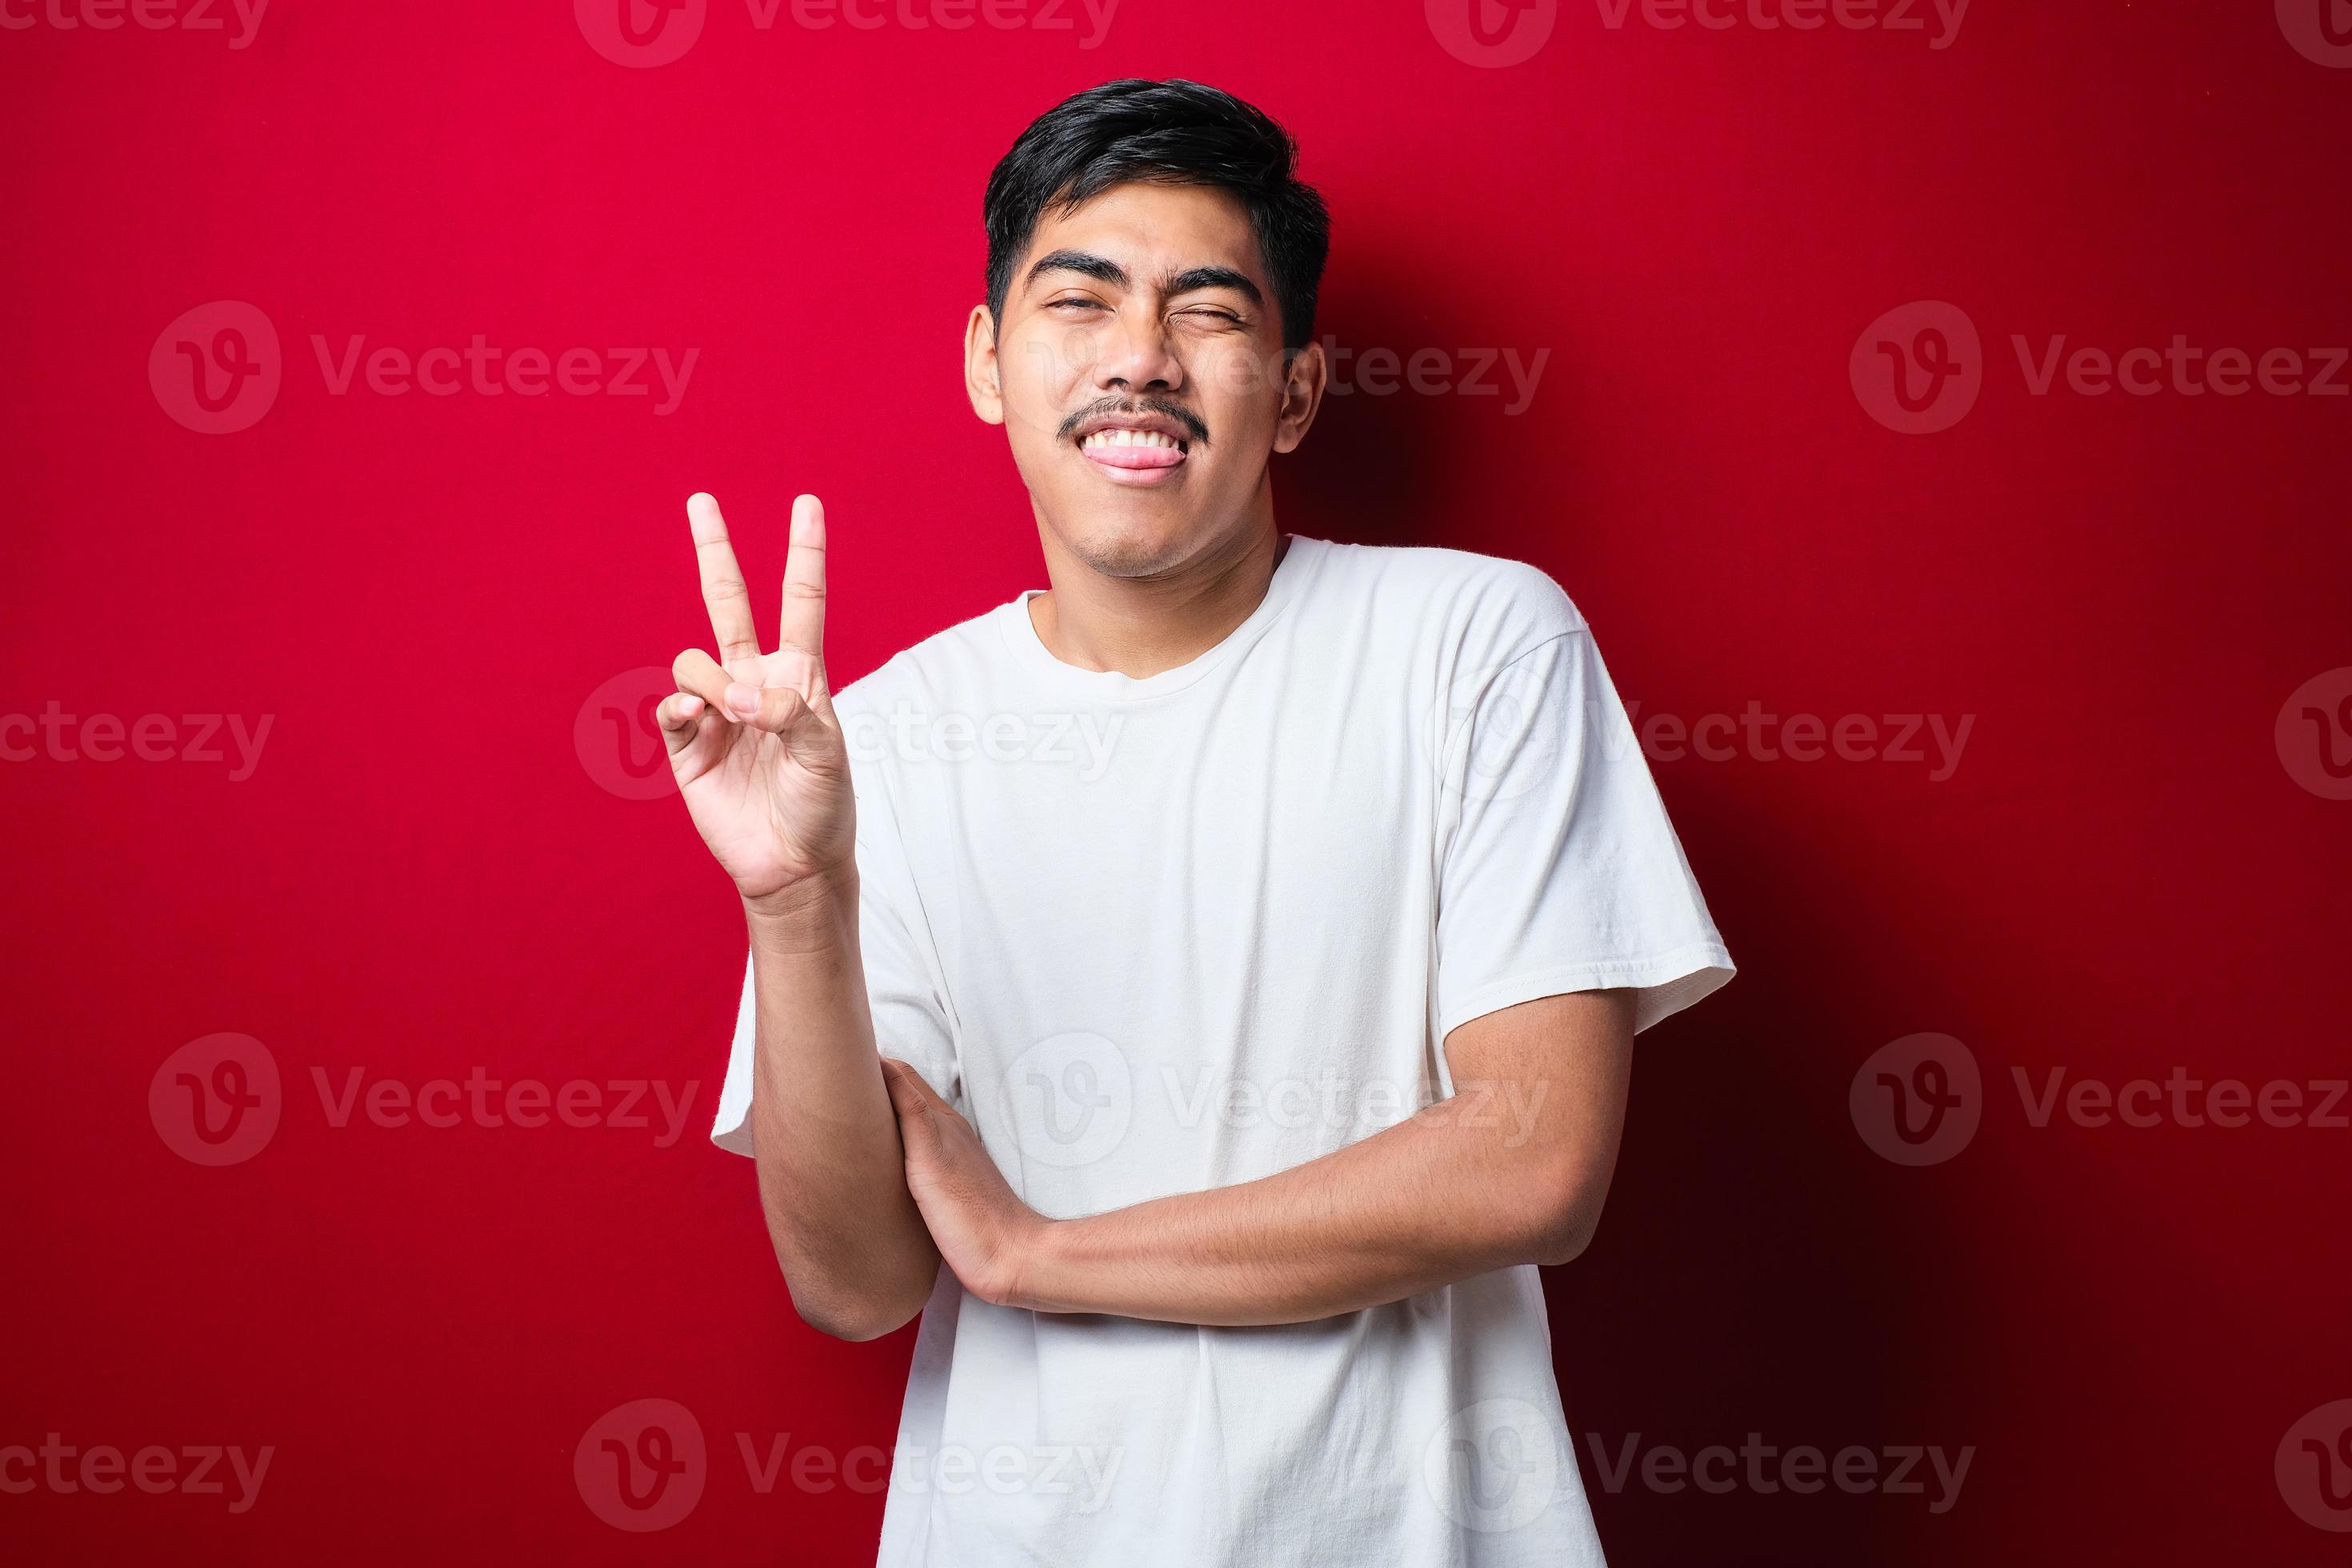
point(930, 672)
point(1488, 607)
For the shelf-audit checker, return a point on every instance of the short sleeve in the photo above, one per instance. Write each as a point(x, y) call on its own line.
point(903, 984)
point(1558, 869)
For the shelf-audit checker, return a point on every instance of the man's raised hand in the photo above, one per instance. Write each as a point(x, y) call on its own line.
point(752, 739)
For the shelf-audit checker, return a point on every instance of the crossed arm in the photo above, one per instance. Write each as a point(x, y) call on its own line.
point(870, 1181)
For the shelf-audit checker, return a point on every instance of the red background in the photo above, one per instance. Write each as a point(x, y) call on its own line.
point(421, 877)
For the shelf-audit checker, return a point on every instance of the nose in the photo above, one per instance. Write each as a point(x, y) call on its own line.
point(1137, 356)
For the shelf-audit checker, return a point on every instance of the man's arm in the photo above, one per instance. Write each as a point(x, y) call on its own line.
point(1512, 1169)
point(759, 757)
point(833, 1180)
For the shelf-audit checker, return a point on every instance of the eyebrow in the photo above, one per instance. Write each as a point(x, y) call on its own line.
point(1103, 269)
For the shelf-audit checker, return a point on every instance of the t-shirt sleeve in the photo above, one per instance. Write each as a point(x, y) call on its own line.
point(902, 979)
point(1558, 869)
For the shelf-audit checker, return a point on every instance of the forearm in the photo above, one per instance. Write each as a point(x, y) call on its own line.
point(1446, 1196)
point(832, 1175)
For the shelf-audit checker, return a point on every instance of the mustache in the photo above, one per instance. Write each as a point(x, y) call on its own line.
point(1182, 416)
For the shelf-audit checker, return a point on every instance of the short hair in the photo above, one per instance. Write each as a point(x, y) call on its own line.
point(1172, 133)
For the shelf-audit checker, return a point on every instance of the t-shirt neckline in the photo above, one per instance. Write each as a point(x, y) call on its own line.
point(1030, 651)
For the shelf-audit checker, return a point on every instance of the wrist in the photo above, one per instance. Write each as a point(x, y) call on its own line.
point(820, 903)
point(1039, 1276)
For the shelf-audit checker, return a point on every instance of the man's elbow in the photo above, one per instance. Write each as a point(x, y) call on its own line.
point(1557, 1228)
point(851, 1319)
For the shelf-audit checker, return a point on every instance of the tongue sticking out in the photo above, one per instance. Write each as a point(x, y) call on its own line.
point(1136, 457)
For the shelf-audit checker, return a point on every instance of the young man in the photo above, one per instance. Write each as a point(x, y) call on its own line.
point(1204, 989)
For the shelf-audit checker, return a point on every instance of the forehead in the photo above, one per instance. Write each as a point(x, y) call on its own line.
point(1152, 230)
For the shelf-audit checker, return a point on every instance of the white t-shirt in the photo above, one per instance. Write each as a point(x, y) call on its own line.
point(1162, 935)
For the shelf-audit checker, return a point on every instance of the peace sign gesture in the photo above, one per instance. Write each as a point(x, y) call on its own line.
point(753, 742)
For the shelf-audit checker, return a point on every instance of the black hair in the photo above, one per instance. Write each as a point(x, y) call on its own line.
point(1173, 132)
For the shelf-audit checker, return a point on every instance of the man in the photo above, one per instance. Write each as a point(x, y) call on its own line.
point(1204, 989)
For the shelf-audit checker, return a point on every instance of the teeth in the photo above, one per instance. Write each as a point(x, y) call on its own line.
point(1129, 438)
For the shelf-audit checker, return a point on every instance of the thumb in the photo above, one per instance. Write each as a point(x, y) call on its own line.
point(779, 709)
point(909, 1095)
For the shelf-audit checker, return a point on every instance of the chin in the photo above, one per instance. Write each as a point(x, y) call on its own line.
point(1133, 546)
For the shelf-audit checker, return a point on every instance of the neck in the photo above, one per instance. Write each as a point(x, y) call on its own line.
point(1140, 626)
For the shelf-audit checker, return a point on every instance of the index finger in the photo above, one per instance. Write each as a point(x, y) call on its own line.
point(804, 580)
point(723, 593)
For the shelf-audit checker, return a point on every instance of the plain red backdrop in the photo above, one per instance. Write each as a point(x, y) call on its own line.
point(422, 876)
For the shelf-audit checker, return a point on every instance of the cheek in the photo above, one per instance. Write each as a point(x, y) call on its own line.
point(1047, 363)
point(1240, 393)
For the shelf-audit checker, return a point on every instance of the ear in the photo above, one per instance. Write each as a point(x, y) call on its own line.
point(1303, 383)
point(981, 382)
